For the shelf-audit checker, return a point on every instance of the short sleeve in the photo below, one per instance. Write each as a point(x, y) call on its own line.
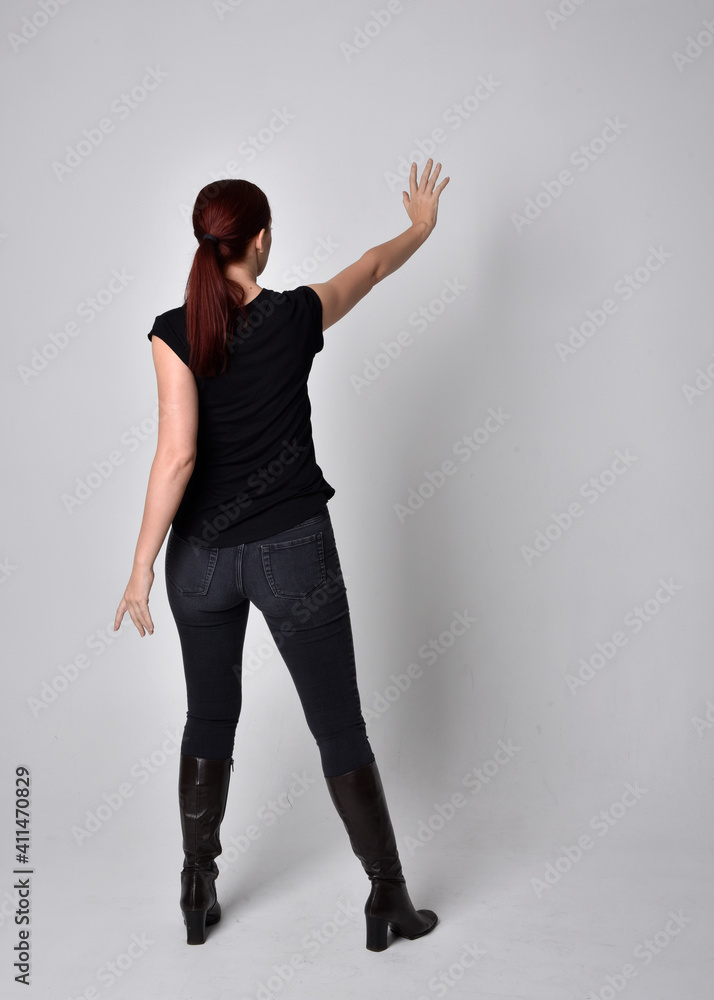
point(163, 330)
point(314, 305)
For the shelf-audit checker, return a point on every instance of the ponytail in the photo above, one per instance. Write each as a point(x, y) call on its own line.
point(233, 212)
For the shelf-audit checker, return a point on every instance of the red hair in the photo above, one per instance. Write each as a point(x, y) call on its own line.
point(234, 211)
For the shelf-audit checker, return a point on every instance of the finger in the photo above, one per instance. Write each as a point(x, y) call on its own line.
point(145, 617)
point(141, 618)
point(121, 611)
point(442, 186)
point(432, 179)
point(139, 626)
point(412, 178)
point(425, 174)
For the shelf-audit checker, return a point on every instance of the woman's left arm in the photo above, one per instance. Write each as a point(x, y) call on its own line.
point(170, 472)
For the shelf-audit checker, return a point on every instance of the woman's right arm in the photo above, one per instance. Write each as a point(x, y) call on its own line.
point(344, 291)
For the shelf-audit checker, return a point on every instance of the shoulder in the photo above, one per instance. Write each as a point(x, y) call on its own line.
point(305, 299)
point(302, 295)
point(306, 305)
point(301, 304)
point(170, 326)
point(306, 295)
point(175, 318)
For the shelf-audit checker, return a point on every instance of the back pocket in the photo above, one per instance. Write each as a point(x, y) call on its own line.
point(189, 568)
point(296, 567)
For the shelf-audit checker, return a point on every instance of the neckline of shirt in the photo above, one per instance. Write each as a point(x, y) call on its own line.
point(256, 297)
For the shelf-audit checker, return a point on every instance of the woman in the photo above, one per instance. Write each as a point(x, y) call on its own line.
point(236, 480)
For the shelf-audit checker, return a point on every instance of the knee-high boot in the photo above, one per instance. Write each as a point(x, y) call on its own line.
point(203, 793)
point(359, 799)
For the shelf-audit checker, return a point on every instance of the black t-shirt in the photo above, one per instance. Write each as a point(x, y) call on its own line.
point(256, 472)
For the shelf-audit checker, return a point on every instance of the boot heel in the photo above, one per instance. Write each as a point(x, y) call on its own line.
point(376, 933)
point(195, 921)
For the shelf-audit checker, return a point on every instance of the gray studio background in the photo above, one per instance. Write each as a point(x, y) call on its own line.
point(559, 316)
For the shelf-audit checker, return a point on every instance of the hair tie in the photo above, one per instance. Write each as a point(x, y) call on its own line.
point(208, 236)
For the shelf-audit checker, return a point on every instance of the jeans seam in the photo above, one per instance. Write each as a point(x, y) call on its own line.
point(239, 568)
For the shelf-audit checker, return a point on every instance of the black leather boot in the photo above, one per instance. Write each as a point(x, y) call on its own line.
point(359, 799)
point(203, 793)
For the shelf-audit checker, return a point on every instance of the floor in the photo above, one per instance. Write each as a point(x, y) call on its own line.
point(106, 922)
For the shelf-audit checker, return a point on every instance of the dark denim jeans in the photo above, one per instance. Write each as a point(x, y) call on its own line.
point(295, 580)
